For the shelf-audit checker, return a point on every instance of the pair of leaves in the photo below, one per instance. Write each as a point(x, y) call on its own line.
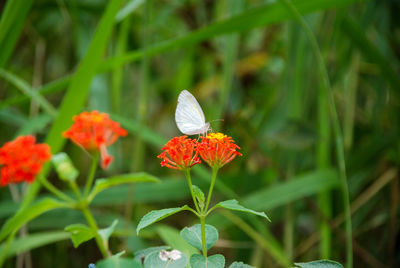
point(157, 215)
point(81, 233)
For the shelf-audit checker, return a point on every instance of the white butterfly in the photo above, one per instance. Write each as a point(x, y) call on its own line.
point(189, 116)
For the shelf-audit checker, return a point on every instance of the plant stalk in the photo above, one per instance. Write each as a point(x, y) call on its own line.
point(214, 176)
point(92, 223)
point(203, 235)
point(54, 190)
point(92, 172)
point(189, 179)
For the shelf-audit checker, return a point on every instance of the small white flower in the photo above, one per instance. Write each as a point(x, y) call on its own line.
point(170, 255)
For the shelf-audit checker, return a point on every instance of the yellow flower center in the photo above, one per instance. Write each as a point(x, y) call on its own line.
point(217, 136)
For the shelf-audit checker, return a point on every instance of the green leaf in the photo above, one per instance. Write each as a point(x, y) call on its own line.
point(198, 193)
point(171, 237)
point(79, 233)
point(107, 232)
point(64, 167)
point(20, 219)
point(166, 259)
point(319, 264)
point(157, 215)
point(214, 261)
point(192, 235)
point(234, 205)
point(141, 255)
point(240, 265)
point(102, 184)
point(33, 241)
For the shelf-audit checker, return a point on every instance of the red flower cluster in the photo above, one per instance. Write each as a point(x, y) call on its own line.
point(182, 152)
point(22, 160)
point(217, 149)
point(179, 153)
point(95, 131)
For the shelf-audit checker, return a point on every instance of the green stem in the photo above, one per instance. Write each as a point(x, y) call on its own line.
point(92, 223)
point(75, 189)
point(54, 190)
point(336, 130)
point(214, 176)
point(203, 235)
point(92, 172)
point(187, 174)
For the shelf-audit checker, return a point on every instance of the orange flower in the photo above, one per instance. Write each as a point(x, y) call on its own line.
point(179, 153)
point(217, 149)
point(95, 131)
point(22, 160)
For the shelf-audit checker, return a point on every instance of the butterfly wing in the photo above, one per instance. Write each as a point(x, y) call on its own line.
point(189, 116)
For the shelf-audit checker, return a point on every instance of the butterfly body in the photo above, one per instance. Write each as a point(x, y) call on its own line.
point(189, 116)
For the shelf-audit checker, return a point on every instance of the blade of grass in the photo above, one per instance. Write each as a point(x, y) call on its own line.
point(34, 241)
point(52, 87)
point(323, 160)
point(11, 23)
point(128, 9)
point(118, 72)
point(336, 129)
point(28, 91)
point(143, 89)
point(350, 97)
point(138, 154)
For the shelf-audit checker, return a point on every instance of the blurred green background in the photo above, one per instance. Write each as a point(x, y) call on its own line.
point(251, 63)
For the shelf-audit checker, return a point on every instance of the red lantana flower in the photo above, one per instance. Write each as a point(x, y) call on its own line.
point(95, 131)
point(22, 160)
point(180, 153)
point(217, 149)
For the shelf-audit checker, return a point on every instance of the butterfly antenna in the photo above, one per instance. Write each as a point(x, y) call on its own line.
point(216, 120)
